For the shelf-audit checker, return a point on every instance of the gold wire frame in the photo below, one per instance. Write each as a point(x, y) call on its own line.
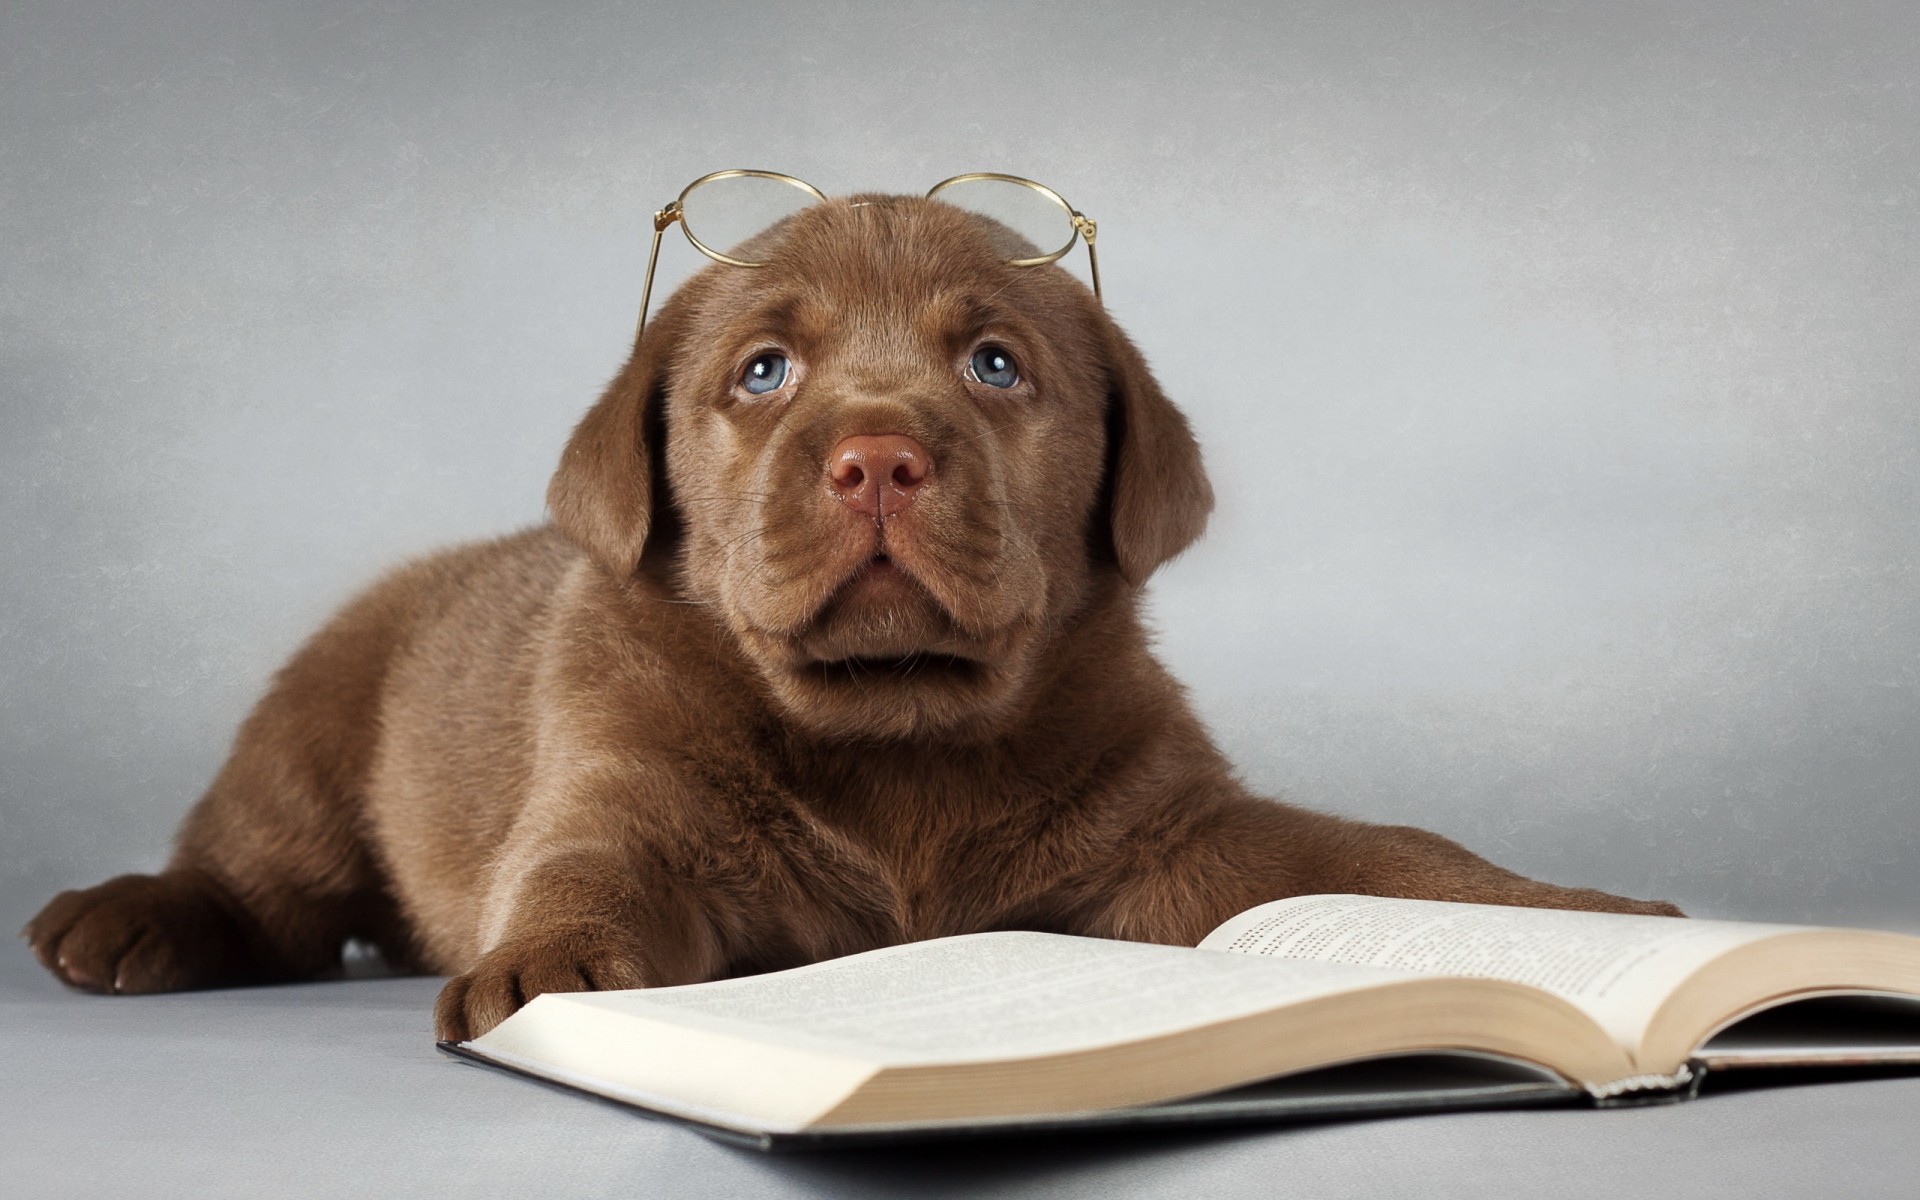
point(1083, 226)
point(675, 211)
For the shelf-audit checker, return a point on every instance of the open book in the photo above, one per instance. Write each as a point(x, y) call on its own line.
point(1313, 1006)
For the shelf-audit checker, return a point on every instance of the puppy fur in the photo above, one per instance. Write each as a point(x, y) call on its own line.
point(720, 718)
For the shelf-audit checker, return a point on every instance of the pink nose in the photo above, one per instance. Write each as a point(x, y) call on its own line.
point(878, 474)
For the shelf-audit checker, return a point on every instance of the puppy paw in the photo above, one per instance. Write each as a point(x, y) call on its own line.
point(506, 977)
point(1649, 908)
point(143, 933)
point(1593, 900)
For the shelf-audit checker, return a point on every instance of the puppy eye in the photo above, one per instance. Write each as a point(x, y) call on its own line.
point(993, 366)
point(765, 373)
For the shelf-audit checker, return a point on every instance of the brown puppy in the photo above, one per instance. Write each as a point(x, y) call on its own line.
point(835, 645)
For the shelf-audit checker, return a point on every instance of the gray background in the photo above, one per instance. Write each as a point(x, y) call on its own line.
point(1555, 364)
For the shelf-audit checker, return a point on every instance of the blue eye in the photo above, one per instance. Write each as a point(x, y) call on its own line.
point(993, 366)
point(766, 373)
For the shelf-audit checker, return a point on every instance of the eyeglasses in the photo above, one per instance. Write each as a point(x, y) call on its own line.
point(730, 207)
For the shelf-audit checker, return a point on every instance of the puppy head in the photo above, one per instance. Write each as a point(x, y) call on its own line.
point(894, 465)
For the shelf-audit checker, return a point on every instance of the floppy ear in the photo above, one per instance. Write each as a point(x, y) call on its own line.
point(609, 491)
point(1159, 496)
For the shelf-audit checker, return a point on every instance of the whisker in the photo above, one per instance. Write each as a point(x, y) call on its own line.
point(726, 498)
point(749, 536)
point(976, 437)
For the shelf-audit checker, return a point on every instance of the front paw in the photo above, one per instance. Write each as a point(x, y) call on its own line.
point(514, 972)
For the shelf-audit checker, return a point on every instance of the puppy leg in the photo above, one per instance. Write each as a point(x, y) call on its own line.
point(270, 874)
point(1400, 860)
point(1217, 859)
point(577, 906)
point(267, 883)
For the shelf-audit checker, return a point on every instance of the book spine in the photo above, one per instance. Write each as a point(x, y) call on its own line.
point(1685, 1081)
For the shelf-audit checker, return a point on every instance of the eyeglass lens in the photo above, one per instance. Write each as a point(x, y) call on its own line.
point(1028, 222)
point(723, 213)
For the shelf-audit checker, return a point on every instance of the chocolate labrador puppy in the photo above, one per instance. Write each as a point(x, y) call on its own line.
point(834, 642)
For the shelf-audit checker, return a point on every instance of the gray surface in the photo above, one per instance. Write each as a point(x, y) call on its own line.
point(336, 1090)
point(1554, 361)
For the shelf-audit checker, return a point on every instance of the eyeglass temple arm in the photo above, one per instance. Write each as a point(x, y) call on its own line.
point(1088, 228)
point(661, 219)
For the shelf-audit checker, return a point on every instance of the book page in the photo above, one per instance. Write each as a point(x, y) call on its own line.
point(990, 996)
point(1617, 968)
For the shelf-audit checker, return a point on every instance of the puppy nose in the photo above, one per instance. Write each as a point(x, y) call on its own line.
point(878, 474)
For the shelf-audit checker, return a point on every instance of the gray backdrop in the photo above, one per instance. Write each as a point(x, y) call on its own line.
point(1555, 363)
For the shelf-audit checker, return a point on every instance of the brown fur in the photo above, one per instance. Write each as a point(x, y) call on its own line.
point(691, 731)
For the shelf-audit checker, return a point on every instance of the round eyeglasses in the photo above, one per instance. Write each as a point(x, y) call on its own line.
point(721, 213)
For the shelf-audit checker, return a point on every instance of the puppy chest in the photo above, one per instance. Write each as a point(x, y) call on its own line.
point(834, 890)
